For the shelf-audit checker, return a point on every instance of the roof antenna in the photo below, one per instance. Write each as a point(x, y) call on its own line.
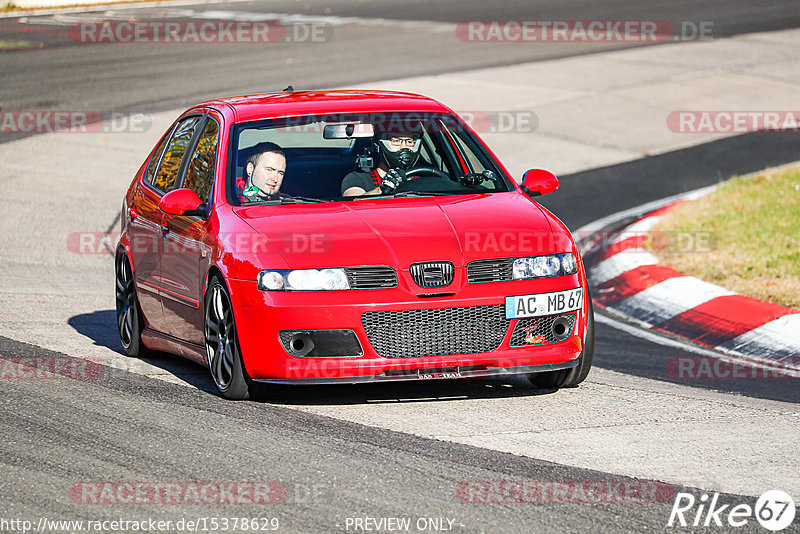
point(289, 89)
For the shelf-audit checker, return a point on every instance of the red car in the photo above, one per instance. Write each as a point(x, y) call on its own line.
point(346, 236)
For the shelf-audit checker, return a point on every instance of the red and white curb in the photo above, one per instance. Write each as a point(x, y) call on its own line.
point(628, 281)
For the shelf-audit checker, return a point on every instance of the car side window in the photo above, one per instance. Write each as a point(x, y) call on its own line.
point(464, 151)
point(171, 162)
point(472, 160)
point(151, 167)
point(200, 172)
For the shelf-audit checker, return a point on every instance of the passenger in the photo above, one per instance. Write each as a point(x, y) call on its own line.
point(264, 169)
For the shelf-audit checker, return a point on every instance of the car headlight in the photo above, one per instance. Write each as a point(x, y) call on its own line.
point(545, 266)
point(303, 280)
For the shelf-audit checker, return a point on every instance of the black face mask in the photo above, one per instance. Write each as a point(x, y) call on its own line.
point(404, 158)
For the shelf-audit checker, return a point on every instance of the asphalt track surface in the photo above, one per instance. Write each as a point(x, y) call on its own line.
point(129, 427)
point(125, 77)
point(126, 427)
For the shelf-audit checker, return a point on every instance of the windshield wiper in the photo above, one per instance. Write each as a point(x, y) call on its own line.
point(285, 200)
point(399, 195)
point(421, 194)
point(293, 199)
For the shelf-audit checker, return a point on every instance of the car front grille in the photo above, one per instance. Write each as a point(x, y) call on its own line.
point(436, 332)
point(489, 270)
point(542, 330)
point(432, 273)
point(371, 277)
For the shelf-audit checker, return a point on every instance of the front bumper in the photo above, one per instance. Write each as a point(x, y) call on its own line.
point(426, 374)
point(261, 315)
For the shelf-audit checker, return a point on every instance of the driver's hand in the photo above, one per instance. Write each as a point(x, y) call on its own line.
point(472, 179)
point(391, 180)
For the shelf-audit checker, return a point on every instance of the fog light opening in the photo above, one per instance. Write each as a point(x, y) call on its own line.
point(560, 329)
point(301, 344)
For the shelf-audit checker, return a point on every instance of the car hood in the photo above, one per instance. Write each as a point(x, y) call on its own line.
point(399, 232)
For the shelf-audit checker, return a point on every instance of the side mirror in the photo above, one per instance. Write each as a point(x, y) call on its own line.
point(182, 202)
point(537, 182)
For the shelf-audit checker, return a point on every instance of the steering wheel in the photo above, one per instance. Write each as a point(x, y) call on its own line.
point(422, 169)
point(435, 181)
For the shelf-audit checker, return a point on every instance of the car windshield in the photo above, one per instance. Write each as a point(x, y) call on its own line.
point(319, 152)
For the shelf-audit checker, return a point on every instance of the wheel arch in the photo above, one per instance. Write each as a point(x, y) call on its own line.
point(124, 247)
point(213, 270)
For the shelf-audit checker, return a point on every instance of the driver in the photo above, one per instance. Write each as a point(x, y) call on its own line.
point(399, 151)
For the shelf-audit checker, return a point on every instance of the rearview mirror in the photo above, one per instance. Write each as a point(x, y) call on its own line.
point(182, 202)
point(347, 131)
point(537, 182)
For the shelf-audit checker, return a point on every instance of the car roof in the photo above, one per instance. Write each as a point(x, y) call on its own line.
point(284, 104)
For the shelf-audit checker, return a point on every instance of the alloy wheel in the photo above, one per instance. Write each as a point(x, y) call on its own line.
point(220, 337)
point(126, 302)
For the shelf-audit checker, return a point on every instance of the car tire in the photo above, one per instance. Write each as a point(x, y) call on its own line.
point(574, 375)
point(223, 356)
point(129, 314)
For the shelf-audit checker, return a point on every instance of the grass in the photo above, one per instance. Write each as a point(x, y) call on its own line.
point(15, 45)
point(745, 237)
point(5, 8)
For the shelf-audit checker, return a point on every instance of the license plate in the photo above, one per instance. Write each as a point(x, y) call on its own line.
point(444, 374)
point(522, 306)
